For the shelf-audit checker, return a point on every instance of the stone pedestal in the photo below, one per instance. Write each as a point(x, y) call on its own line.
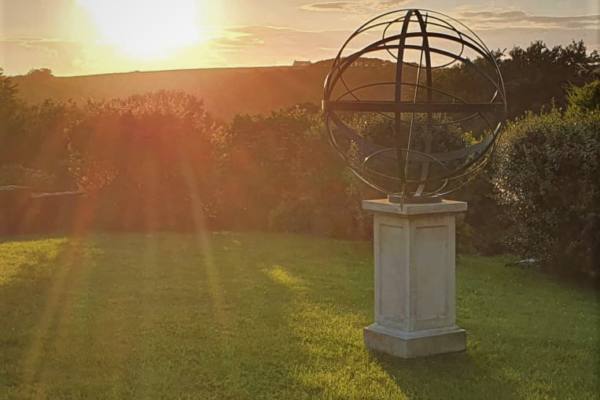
point(414, 249)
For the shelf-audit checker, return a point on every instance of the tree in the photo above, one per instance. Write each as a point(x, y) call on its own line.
point(12, 122)
point(40, 74)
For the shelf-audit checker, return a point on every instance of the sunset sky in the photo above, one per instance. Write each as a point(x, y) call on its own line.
point(77, 37)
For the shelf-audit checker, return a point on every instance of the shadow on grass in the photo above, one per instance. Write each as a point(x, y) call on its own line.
point(262, 316)
point(451, 376)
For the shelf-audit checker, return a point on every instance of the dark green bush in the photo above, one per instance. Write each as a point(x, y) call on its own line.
point(547, 182)
point(584, 98)
point(485, 228)
point(280, 174)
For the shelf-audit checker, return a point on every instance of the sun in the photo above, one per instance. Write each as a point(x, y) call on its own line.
point(146, 29)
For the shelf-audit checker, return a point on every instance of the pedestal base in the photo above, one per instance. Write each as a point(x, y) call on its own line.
point(414, 252)
point(415, 344)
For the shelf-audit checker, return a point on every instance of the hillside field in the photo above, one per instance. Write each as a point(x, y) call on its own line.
point(225, 91)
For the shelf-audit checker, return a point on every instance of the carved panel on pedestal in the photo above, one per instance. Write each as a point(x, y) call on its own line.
point(429, 261)
point(393, 274)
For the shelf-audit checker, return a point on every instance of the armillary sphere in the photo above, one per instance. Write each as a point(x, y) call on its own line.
point(414, 103)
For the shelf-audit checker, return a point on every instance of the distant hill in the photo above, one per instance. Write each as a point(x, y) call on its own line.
point(225, 91)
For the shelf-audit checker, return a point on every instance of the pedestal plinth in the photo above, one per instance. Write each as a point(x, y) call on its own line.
point(414, 249)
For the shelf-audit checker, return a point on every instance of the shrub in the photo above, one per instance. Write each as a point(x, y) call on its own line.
point(282, 175)
point(147, 162)
point(584, 98)
point(22, 176)
point(485, 228)
point(547, 181)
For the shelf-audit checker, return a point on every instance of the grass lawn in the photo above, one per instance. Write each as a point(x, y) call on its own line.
point(251, 316)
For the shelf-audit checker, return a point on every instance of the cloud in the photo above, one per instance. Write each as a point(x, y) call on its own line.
point(277, 45)
point(493, 15)
point(20, 54)
point(236, 40)
point(357, 7)
point(53, 47)
point(255, 45)
point(520, 19)
point(333, 6)
point(281, 45)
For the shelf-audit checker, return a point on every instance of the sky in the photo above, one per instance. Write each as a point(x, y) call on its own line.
point(81, 37)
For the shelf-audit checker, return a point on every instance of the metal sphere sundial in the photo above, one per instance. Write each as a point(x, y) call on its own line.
point(424, 117)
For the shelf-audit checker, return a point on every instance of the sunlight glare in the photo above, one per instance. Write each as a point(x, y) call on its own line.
point(146, 29)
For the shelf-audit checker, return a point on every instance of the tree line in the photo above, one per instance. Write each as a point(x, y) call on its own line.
point(160, 161)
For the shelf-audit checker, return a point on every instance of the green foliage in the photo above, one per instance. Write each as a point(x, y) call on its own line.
point(160, 161)
point(35, 137)
point(547, 180)
point(21, 176)
point(282, 175)
point(8, 91)
point(485, 228)
point(538, 75)
point(40, 74)
point(149, 161)
point(265, 316)
point(534, 77)
point(465, 238)
point(11, 119)
point(584, 98)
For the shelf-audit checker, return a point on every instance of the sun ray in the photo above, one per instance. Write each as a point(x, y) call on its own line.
point(203, 240)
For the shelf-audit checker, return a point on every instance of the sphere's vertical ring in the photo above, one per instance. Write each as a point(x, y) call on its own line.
point(400, 141)
point(428, 77)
